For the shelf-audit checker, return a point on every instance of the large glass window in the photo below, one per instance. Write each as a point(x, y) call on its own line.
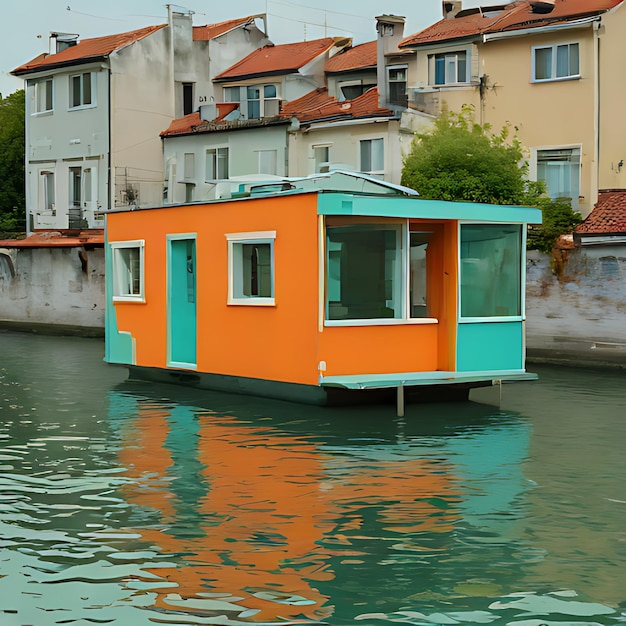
point(560, 170)
point(491, 273)
point(364, 272)
point(262, 101)
point(556, 62)
point(373, 156)
point(128, 278)
point(216, 163)
point(251, 268)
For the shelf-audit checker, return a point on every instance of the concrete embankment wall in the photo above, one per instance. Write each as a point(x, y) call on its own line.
point(52, 290)
point(576, 306)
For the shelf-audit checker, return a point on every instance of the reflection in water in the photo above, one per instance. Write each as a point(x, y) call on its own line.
point(130, 503)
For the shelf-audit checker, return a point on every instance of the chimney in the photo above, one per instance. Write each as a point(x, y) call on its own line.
point(62, 41)
point(450, 8)
point(390, 29)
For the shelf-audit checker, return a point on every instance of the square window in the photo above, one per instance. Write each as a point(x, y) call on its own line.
point(364, 270)
point(491, 271)
point(128, 271)
point(449, 68)
point(251, 268)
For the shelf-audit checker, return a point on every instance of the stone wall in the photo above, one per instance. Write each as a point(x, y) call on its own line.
point(52, 289)
point(576, 306)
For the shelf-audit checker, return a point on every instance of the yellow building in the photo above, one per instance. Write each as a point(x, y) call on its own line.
point(552, 69)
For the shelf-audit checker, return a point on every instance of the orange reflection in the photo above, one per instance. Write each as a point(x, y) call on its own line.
point(271, 501)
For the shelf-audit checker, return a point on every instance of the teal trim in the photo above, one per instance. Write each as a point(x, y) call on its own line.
point(490, 346)
point(118, 346)
point(417, 379)
point(181, 301)
point(407, 207)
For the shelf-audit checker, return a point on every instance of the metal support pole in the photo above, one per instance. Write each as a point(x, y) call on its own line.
point(400, 401)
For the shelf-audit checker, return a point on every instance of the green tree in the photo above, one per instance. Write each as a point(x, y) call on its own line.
point(558, 218)
point(459, 159)
point(12, 186)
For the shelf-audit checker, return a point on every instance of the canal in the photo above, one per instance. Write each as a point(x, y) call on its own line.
point(134, 504)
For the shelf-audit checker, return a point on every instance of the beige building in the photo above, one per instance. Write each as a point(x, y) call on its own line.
point(551, 69)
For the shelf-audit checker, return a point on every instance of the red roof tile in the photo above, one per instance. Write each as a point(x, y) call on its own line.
point(210, 31)
point(277, 60)
point(86, 49)
point(193, 121)
point(58, 239)
point(318, 105)
point(608, 216)
point(510, 17)
point(356, 58)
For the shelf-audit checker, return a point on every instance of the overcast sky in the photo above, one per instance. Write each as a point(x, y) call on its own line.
point(26, 24)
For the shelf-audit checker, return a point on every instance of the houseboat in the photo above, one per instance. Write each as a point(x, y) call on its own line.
point(327, 289)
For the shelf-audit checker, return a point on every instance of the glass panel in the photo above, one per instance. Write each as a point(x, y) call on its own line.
point(231, 94)
point(418, 274)
point(191, 271)
point(543, 63)
point(49, 191)
point(257, 269)
point(222, 162)
point(364, 274)
point(322, 156)
point(87, 184)
point(75, 180)
point(269, 91)
point(574, 68)
point(378, 155)
point(462, 67)
point(47, 87)
point(86, 88)
point(210, 164)
point(490, 270)
point(450, 69)
point(440, 70)
point(128, 272)
point(254, 103)
point(75, 96)
point(366, 155)
point(189, 165)
point(562, 61)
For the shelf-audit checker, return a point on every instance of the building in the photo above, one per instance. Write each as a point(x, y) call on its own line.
point(526, 63)
point(95, 108)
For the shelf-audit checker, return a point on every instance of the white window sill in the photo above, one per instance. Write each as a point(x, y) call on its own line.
point(81, 107)
point(135, 299)
point(558, 79)
point(383, 322)
point(42, 113)
point(251, 302)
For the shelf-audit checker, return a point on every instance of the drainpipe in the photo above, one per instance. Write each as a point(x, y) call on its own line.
point(595, 175)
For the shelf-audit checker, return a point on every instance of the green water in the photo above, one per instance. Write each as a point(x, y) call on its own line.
point(130, 503)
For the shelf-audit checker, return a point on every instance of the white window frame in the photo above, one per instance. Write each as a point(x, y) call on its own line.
point(235, 241)
point(448, 56)
point(212, 156)
point(121, 270)
point(534, 163)
point(92, 89)
point(47, 191)
point(316, 151)
point(396, 68)
point(553, 69)
point(262, 99)
point(379, 173)
point(40, 92)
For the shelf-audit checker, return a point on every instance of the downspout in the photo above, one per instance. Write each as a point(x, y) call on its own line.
point(595, 182)
point(110, 189)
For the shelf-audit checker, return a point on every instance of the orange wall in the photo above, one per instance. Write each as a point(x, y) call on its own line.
point(276, 343)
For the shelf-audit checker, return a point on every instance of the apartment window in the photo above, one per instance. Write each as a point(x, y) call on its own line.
point(43, 95)
point(128, 270)
point(353, 89)
point(373, 157)
point(396, 78)
point(555, 62)
point(449, 68)
point(187, 98)
point(321, 154)
point(47, 202)
point(76, 186)
point(216, 163)
point(262, 101)
point(560, 171)
point(491, 272)
point(251, 268)
point(268, 162)
point(189, 165)
point(232, 94)
point(81, 90)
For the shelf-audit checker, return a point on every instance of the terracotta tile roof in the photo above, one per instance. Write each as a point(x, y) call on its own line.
point(510, 17)
point(210, 31)
point(278, 60)
point(192, 122)
point(58, 239)
point(86, 49)
point(608, 216)
point(359, 57)
point(318, 105)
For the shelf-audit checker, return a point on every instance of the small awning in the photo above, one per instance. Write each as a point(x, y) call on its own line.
point(411, 379)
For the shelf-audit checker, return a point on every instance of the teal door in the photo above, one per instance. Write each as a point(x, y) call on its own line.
point(182, 302)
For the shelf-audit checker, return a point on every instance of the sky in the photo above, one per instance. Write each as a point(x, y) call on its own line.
point(26, 24)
